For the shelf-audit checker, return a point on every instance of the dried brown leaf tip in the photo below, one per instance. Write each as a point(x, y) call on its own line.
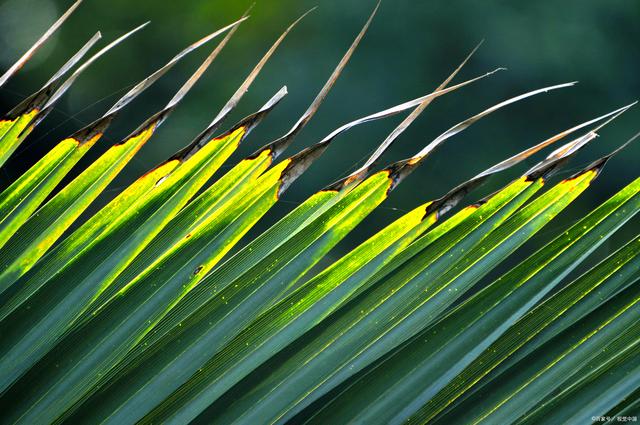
point(159, 117)
point(38, 44)
point(598, 165)
point(561, 156)
point(278, 146)
point(400, 170)
point(101, 124)
point(302, 160)
point(362, 171)
point(246, 84)
point(247, 124)
point(38, 100)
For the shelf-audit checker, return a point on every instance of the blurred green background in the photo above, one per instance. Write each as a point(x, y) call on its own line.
point(411, 47)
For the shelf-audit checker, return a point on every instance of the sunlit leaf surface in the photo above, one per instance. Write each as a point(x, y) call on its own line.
point(163, 306)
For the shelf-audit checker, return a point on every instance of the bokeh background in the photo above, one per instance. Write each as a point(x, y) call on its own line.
point(411, 47)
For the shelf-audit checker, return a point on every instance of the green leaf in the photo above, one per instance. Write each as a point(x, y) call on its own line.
point(13, 131)
point(23, 197)
point(614, 381)
point(278, 326)
point(40, 330)
point(181, 277)
point(321, 340)
point(156, 311)
point(72, 246)
point(43, 228)
point(557, 363)
point(399, 386)
point(19, 123)
point(123, 206)
point(127, 324)
point(549, 318)
point(100, 265)
point(280, 177)
point(258, 287)
point(628, 407)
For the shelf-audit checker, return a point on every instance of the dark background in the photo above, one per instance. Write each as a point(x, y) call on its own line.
point(411, 47)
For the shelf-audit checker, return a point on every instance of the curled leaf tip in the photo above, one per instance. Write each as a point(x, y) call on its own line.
point(560, 156)
point(401, 169)
point(362, 171)
point(625, 144)
point(453, 197)
point(598, 165)
point(613, 115)
point(150, 123)
point(461, 126)
point(395, 172)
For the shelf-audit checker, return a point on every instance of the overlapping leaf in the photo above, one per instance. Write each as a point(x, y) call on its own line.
point(395, 396)
point(280, 325)
point(21, 199)
point(53, 218)
point(141, 315)
point(268, 289)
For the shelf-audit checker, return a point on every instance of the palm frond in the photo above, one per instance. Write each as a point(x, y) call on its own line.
point(155, 310)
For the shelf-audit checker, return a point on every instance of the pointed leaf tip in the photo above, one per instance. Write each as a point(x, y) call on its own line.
point(399, 170)
point(448, 201)
point(67, 84)
point(615, 114)
point(74, 59)
point(249, 123)
point(280, 145)
point(561, 155)
point(360, 172)
point(464, 62)
point(625, 145)
point(301, 161)
point(39, 99)
point(244, 87)
point(38, 44)
point(151, 79)
point(203, 67)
